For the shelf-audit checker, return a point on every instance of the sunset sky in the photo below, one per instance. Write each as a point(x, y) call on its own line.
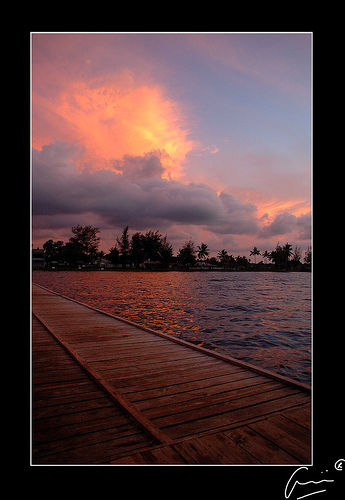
point(202, 136)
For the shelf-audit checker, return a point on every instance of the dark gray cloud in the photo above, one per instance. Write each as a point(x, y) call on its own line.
point(140, 167)
point(239, 218)
point(285, 223)
point(303, 224)
point(64, 195)
point(138, 196)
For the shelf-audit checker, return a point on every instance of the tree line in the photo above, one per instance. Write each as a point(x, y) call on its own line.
point(153, 250)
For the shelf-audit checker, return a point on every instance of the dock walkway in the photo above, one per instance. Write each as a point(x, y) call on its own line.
point(107, 391)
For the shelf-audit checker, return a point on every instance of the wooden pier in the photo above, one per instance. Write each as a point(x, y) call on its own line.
point(107, 391)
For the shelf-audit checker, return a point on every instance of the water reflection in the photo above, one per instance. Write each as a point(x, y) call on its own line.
point(261, 318)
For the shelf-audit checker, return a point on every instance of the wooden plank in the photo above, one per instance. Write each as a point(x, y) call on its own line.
point(53, 378)
point(252, 400)
point(261, 448)
point(213, 449)
point(79, 428)
point(79, 441)
point(140, 353)
point(75, 406)
point(100, 452)
point(290, 437)
point(62, 366)
point(55, 421)
point(201, 391)
point(40, 348)
point(241, 415)
point(300, 415)
point(133, 384)
point(114, 345)
point(144, 360)
point(61, 388)
point(55, 401)
point(201, 383)
point(166, 455)
point(156, 369)
point(213, 403)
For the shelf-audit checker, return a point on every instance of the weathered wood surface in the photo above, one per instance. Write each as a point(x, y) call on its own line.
point(108, 391)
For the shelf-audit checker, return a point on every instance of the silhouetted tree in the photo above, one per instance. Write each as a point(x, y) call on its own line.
point(150, 247)
point(280, 256)
point(186, 254)
point(222, 256)
point(203, 251)
point(225, 259)
point(213, 261)
point(241, 262)
point(53, 250)
point(124, 246)
point(151, 242)
point(230, 261)
point(137, 249)
point(276, 256)
point(114, 255)
point(266, 255)
point(296, 255)
point(287, 249)
point(307, 256)
point(255, 252)
point(72, 253)
point(165, 251)
point(85, 242)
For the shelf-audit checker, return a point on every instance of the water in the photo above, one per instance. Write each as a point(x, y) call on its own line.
point(261, 318)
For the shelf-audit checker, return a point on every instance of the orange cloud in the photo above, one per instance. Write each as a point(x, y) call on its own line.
point(116, 118)
point(267, 207)
point(275, 207)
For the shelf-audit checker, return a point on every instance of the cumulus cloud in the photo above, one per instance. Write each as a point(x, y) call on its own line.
point(137, 196)
point(239, 218)
point(303, 224)
point(286, 223)
point(112, 116)
point(140, 167)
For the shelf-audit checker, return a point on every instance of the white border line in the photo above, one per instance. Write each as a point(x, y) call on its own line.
point(30, 292)
point(311, 178)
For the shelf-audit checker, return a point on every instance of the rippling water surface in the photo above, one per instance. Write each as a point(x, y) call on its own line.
point(262, 318)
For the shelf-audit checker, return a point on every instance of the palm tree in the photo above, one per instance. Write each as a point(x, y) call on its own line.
point(297, 255)
point(202, 251)
point(280, 256)
point(307, 256)
point(287, 249)
point(255, 252)
point(222, 256)
point(266, 255)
